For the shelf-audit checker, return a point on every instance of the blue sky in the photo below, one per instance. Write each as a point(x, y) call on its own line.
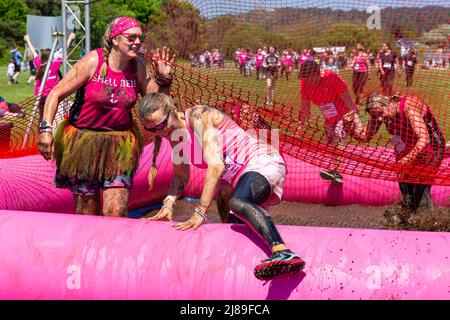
point(210, 8)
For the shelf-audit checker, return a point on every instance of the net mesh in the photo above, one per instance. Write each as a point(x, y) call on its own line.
point(206, 36)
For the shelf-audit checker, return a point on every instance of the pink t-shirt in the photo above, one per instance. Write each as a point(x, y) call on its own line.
point(52, 79)
point(259, 58)
point(287, 60)
point(360, 64)
point(243, 57)
point(106, 103)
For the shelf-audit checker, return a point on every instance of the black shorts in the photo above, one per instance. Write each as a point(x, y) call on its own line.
point(16, 67)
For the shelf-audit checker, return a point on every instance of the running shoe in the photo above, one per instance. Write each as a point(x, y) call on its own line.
point(332, 176)
point(280, 262)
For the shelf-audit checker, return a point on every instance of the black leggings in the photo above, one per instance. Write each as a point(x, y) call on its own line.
point(251, 191)
point(413, 194)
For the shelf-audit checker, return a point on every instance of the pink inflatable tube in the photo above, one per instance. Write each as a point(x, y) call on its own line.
point(54, 256)
point(26, 183)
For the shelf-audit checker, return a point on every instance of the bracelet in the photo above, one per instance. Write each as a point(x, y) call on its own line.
point(167, 207)
point(169, 197)
point(200, 213)
point(163, 80)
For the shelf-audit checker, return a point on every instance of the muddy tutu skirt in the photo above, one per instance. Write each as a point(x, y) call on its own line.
point(88, 160)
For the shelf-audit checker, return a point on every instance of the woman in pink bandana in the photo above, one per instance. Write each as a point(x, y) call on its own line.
point(98, 147)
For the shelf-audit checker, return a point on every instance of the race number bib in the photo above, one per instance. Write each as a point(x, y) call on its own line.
point(387, 65)
point(231, 168)
point(329, 110)
point(409, 63)
point(356, 67)
point(398, 143)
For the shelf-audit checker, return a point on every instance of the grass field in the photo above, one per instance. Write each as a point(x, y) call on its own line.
point(432, 85)
point(17, 92)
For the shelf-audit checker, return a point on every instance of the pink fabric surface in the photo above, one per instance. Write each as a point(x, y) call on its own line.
point(26, 183)
point(85, 257)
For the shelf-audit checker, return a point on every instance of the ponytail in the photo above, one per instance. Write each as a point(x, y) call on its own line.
point(106, 48)
point(153, 171)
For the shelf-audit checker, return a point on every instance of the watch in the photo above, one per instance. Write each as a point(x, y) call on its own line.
point(44, 124)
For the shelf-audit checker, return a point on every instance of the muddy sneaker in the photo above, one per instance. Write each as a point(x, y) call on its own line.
point(280, 262)
point(332, 176)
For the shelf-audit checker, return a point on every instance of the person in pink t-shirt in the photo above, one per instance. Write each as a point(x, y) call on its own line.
point(98, 147)
point(40, 63)
point(287, 64)
point(360, 65)
point(251, 171)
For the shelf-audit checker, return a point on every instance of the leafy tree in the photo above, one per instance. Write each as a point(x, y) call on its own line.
point(44, 7)
point(12, 25)
point(142, 9)
point(101, 15)
point(176, 25)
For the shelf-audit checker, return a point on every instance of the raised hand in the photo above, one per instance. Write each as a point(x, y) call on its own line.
point(162, 60)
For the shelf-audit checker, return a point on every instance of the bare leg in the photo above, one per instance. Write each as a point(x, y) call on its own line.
point(115, 202)
point(89, 205)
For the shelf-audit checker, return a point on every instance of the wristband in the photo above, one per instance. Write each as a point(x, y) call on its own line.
point(169, 197)
point(163, 80)
point(167, 207)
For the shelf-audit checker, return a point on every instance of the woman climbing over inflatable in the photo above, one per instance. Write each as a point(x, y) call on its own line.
point(252, 169)
point(418, 141)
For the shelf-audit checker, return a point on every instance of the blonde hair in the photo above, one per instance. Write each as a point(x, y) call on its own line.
point(150, 104)
point(106, 48)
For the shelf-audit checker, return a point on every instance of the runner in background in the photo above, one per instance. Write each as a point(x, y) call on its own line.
point(271, 65)
point(259, 59)
point(410, 62)
point(388, 63)
point(360, 65)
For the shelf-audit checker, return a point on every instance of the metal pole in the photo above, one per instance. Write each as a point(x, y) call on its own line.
point(64, 31)
point(87, 24)
point(41, 88)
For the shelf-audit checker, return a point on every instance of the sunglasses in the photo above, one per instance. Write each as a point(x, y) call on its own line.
point(160, 126)
point(132, 37)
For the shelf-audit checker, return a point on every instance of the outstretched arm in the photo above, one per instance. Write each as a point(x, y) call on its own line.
point(202, 121)
point(304, 111)
point(70, 39)
point(75, 78)
point(179, 182)
point(26, 38)
point(352, 125)
point(420, 130)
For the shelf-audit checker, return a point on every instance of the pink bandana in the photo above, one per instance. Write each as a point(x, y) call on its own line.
point(122, 24)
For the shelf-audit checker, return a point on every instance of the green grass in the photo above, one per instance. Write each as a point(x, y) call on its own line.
point(17, 92)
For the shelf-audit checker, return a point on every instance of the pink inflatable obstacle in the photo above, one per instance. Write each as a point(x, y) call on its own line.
point(54, 256)
point(26, 183)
